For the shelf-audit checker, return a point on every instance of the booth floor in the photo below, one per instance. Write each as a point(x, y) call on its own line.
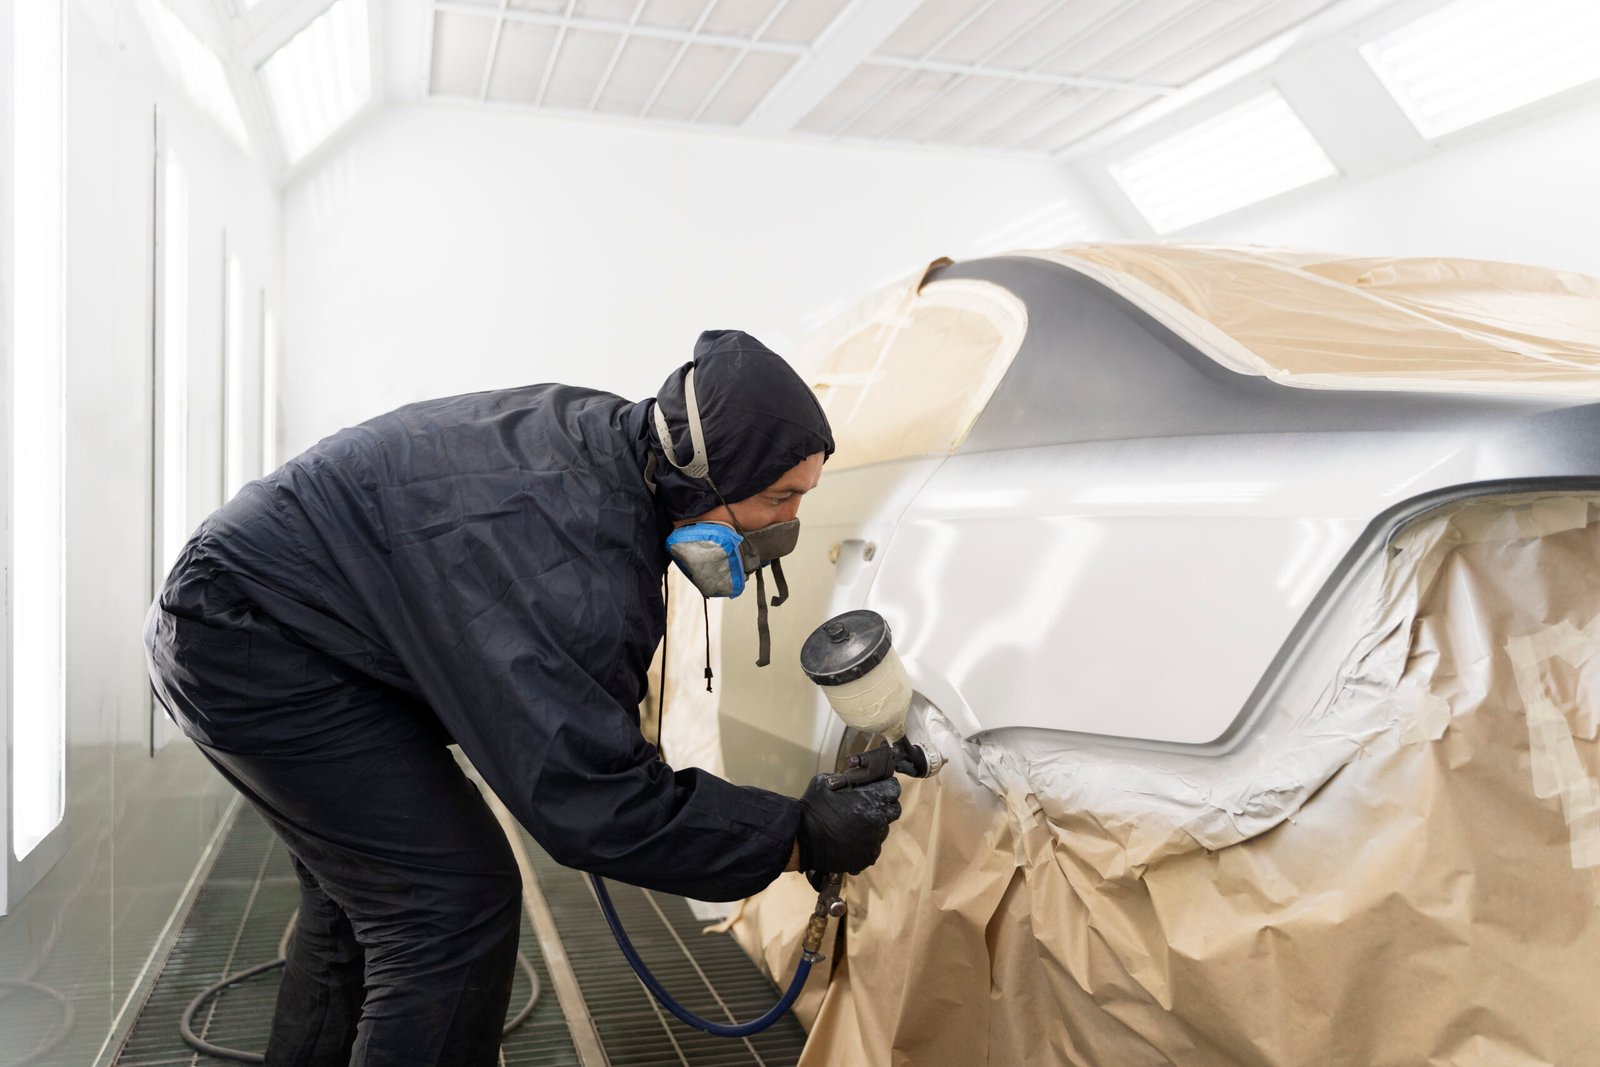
point(250, 893)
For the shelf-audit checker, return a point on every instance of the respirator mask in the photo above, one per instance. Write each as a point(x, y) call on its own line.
point(718, 557)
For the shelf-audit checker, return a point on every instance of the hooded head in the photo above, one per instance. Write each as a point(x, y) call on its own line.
point(758, 418)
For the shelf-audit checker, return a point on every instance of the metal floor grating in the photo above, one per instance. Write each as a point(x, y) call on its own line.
point(705, 972)
point(237, 921)
point(241, 910)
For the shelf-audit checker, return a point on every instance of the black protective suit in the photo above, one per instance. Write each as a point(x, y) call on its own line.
point(484, 569)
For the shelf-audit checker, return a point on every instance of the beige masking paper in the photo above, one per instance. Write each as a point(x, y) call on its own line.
point(1433, 903)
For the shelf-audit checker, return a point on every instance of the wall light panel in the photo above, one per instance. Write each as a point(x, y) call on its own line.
point(1248, 153)
point(321, 78)
point(196, 67)
point(1474, 59)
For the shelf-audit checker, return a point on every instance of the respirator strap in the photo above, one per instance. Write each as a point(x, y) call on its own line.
point(699, 465)
point(705, 602)
point(783, 586)
point(763, 634)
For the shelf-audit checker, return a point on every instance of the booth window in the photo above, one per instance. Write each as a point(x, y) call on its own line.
point(234, 468)
point(171, 391)
point(35, 698)
point(269, 387)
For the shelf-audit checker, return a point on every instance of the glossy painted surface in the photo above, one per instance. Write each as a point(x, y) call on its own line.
point(1132, 541)
point(1137, 589)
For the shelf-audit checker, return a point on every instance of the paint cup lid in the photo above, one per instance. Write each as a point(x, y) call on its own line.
point(846, 647)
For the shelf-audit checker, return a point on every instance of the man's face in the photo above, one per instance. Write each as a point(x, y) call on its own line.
point(778, 502)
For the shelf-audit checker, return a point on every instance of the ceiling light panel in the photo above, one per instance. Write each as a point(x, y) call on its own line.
point(1206, 53)
point(848, 98)
point(746, 87)
point(519, 62)
point(674, 14)
point(907, 96)
point(739, 18)
point(1246, 154)
point(691, 83)
point(998, 103)
point(321, 78)
point(1034, 128)
point(971, 104)
point(1131, 32)
point(196, 67)
point(803, 21)
point(1059, 28)
point(1163, 41)
point(1474, 59)
point(580, 63)
point(993, 29)
point(460, 49)
point(933, 25)
point(1093, 112)
point(640, 68)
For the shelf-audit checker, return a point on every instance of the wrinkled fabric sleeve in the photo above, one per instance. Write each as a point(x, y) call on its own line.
point(537, 690)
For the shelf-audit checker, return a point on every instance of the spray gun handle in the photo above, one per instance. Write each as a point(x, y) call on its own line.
point(882, 761)
point(874, 765)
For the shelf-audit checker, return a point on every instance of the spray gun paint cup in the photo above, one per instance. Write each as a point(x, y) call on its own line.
point(852, 657)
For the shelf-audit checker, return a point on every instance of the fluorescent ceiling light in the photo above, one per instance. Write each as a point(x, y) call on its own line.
point(1473, 59)
point(196, 67)
point(321, 78)
point(1246, 154)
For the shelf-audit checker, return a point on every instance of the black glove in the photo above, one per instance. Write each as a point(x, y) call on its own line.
point(842, 830)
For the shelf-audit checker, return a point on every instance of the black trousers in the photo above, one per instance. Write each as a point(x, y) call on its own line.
point(405, 946)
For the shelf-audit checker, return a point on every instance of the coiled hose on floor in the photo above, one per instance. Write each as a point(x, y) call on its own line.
point(754, 1026)
point(200, 1044)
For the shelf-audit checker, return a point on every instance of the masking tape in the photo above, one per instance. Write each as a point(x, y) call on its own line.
point(1558, 771)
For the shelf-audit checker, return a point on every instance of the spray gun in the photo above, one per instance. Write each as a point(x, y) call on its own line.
point(852, 657)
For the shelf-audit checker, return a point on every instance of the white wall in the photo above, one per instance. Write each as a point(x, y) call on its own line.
point(448, 250)
point(136, 822)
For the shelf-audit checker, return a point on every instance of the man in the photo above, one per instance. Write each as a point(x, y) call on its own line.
point(486, 569)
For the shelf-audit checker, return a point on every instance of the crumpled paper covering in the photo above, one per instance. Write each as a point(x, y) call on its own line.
point(909, 370)
point(1433, 903)
point(1315, 320)
point(688, 737)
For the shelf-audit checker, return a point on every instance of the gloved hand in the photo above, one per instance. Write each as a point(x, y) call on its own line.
point(842, 830)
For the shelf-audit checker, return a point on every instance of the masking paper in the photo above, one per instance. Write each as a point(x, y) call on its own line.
point(1434, 902)
point(688, 735)
point(1313, 320)
point(909, 371)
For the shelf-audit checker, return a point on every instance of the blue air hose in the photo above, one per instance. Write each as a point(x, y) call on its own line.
point(754, 1026)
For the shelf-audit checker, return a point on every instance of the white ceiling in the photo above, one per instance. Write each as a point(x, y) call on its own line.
point(1028, 76)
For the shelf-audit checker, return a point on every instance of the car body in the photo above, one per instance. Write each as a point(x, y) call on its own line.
point(1253, 599)
point(1122, 495)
